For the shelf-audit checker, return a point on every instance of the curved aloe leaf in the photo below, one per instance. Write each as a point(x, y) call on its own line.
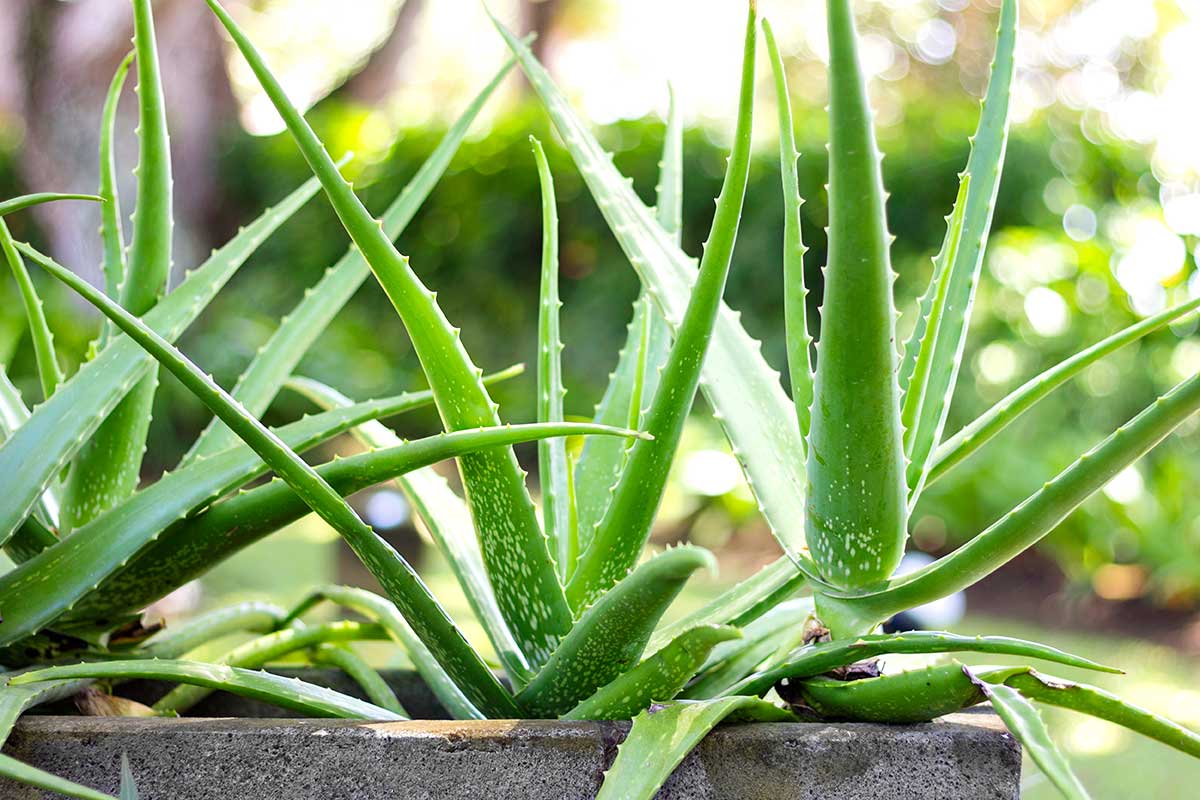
point(618, 540)
point(1103, 705)
point(25, 201)
point(108, 466)
point(795, 293)
point(358, 670)
point(1025, 525)
point(128, 787)
point(448, 521)
point(278, 358)
point(961, 445)
point(739, 604)
point(755, 412)
point(640, 361)
point(21, 772)
point(514, 548)
point(289, 693)
point(1027, 726)
point(817, 659)
point(49, 371)
point(398, 578)
point(256, 653)
point(552, 453)
point(33, 456)
point(176, 642)
point(658, 678)
point(386, 614)
point(764, 641)
point(662, 736)
point(962, 270)
point(35, 533)
point(611, 635)
point(189, 548)
point(110, 213)
point(857, 502)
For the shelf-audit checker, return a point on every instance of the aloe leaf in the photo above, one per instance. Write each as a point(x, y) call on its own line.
point(776, 633)
point(795, 293)
point(1027, 726)
point(657, 678)
point(398, 578)
point(35, 533)
point(178, 641)
point(358, 670)
point(289, 693)
point(49, 371)
point(962, 273)
point(256, 653)
point(25, 201)
point(128, 786)
point(738, 604)
point(857, 502)
point(552, 453)
point(448, 521)
point(640, 360)
point(817, 659)
point(662, 736)
point(1025, 525)
point(515, 552)
point(110, 213)
point(108, 466)
point(1103, 705)
point(961, 445)
point(297, 332)
point(618, 540)
point(21, 772)
point(918, 379)
point(755, 412)
point(33, 456)
point(386, 614)
point(189, 548)
point(611, 635)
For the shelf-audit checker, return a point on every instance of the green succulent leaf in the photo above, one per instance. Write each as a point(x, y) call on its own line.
point(36, 533)
point(448, 521)
point(795, 293)
point(756, 413)
point(297, 332)
point(960, 270)
point(358, 670)
point(21, 772)
point(514, 548)
point(662, 736)
point(111, 232)
point(263, 650)
point(611, 635)
point(857, 502)
point(621, 535)
point(33, 456)
point(1026, 724)
point(376, 608)
point(552, 453)
point(128, 786)
point(26, 201)
point(817, 659)
point(289, 693)
point(249, 617)
point(961, 445)
point(49, 371)
point(764, 642)
point(108, 466)
point(657, 678)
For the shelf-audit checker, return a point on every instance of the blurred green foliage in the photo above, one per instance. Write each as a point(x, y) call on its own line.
point(477, 241)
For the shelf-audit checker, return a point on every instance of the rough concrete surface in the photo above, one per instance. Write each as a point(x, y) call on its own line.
point(962, 757)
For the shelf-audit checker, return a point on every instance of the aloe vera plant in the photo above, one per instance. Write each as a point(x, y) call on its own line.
point(571, 608)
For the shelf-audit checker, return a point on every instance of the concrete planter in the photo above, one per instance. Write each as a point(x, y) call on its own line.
point(962, 757)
